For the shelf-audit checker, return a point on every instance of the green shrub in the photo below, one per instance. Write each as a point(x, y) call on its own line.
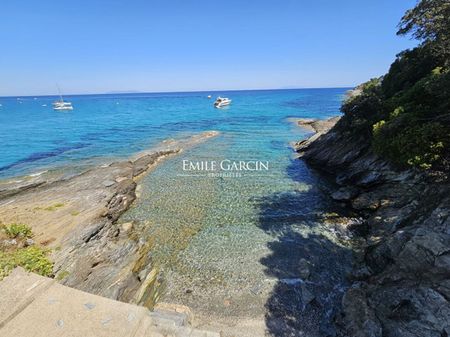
point(33, 259)
point(18, 230)
point(378, 127)
point(421, 146)
point(7, 263)
point(362, 110)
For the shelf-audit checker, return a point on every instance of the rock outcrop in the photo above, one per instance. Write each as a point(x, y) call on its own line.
point(401, 277)
point(77, 218)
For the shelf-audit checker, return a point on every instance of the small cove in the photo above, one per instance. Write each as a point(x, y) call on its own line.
point(230, 247)
point(238, 246)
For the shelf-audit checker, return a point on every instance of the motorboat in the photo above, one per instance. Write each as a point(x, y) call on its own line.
point(221, 102)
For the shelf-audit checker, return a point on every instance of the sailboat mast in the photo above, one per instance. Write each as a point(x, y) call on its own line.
point(59, 91)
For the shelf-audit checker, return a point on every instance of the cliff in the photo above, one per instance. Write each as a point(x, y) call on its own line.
point(401, 276)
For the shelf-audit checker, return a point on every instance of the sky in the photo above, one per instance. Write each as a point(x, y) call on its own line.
point(101, 46)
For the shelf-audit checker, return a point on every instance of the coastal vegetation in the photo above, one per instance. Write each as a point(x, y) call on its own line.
point(50, 208)
point(406, 113)
point(17, 248)
point(18, 230)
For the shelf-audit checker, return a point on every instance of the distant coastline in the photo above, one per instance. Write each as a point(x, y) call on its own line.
point(132, 92)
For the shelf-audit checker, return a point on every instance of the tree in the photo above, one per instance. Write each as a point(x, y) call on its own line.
point(429, 22)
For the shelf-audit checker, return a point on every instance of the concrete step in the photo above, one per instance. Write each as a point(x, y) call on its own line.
point(18, 290)
point(32, 305)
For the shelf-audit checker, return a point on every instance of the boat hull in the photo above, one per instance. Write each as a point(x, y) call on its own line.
point(222, 104)
point(61, 108)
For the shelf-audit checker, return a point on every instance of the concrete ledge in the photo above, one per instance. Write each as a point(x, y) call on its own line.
point(32, 305)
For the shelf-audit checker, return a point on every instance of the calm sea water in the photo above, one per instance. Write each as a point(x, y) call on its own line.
point(34, 136)
point(231, 248)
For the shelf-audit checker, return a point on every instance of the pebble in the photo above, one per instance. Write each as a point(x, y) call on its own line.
point(11, 242)
point(125, 227)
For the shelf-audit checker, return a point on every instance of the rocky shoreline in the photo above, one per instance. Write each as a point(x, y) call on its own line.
point(401, 275)
point(77, 218)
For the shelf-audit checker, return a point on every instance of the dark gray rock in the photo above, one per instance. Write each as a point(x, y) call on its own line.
point(344, 194)
point(412, 311)
point(359, 320)
point(405, 262)
point(367, 201)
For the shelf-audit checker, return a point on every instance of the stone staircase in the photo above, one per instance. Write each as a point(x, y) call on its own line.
point(36, 306)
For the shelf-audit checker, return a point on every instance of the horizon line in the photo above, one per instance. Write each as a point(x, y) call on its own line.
point(131, 92)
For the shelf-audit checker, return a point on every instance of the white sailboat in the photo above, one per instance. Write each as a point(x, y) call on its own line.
point(61, 104)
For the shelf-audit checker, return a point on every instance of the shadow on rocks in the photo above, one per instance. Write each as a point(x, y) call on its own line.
point(308, 262)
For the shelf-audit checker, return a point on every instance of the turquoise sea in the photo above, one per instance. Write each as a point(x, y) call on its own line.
point(254, 246)
point(34, 136)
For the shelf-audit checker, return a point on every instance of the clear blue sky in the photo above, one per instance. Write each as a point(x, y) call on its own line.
point(99, 46)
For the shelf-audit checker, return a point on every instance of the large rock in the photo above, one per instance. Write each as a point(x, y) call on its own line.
point(413, 311)
point(358, 318)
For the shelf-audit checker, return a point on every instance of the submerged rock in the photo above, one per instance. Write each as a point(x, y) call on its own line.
point(304, 270)
point(307, 295)
point(126, 227)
